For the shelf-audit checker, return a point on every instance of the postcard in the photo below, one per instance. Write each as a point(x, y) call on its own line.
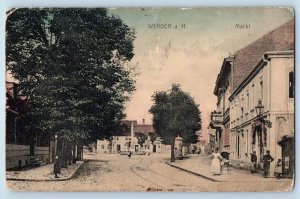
point(150, 99)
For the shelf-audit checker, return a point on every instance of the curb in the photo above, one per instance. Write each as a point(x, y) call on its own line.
point(46, 180)
point(194, 173)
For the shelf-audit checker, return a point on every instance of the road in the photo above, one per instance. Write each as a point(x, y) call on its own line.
point(112, 172)
point(119, 173)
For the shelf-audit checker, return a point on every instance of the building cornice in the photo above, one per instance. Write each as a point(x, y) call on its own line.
point(223, 72)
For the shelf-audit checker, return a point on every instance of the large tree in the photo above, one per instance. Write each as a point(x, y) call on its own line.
point(73, 64)
point(175, 113)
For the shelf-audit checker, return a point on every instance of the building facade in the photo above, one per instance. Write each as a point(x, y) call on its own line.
point(255, 108)
point(220, 117)
point(127, 139)
point(271, 83)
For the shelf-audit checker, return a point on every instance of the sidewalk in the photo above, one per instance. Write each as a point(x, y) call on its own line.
point(200, 165)
point(43, 173)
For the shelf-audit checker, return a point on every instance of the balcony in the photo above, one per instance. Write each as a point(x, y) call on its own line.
point(226, 114)
point(216, 119)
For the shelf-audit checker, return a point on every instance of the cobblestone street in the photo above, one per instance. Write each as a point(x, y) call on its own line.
point(112, 172)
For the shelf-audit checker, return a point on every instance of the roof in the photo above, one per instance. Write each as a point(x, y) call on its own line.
point(143, 128)
point(137, 128)
point(246, 59)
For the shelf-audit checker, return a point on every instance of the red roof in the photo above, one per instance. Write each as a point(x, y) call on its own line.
point(245, 60)
point(137, 128)
point(143, 128)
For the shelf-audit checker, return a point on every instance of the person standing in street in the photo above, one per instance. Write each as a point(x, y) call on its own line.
point(129, 154)
point(278, 169)
point(253, 162)
point(216, 163)
point(267, 159)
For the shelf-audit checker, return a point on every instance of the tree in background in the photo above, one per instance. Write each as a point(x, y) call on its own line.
point(175, 112)
point(142, 137)
point(73, 65)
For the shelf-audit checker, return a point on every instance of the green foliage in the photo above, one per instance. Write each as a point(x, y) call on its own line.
point(174, 113)
point(142, 137)
point(72, 63)
point(153, 136)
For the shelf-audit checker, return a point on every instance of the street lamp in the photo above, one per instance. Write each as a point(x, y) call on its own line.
point(259, 109)
point(259, 112)
point(56, 163)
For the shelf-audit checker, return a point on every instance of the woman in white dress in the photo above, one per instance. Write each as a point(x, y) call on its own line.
point(216, 163)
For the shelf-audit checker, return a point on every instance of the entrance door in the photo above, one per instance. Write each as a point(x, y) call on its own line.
point(288, 157)
point(118, 148)
point(154, 148)
point(136, 148)
point(238, 146)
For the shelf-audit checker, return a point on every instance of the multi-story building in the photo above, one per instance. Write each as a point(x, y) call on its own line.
point(261, 100)
point(220, 118)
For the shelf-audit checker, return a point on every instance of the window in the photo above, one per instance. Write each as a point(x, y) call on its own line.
point(102, 146)
point(238, 146)
point(242, 111)
point(261, 90)
point(291, 84)
point(253, 97)
point(247, 143)
point(247, 108)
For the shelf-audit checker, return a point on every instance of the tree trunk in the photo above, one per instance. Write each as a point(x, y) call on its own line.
point(59, 155)
point(74, 154)
point(70, 157)
point(31, 146)
point(172, 151)
point(64, 163)
point(79, 154)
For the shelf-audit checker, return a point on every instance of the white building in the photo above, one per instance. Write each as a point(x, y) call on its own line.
point(126, 140)
point(269, 67)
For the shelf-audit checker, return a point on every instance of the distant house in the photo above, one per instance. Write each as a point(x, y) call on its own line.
point(126, 140)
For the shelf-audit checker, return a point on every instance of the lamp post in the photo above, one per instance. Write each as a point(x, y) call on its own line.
point(260, 123)
point(56, 163)
point(259, 109)
point(259, 112)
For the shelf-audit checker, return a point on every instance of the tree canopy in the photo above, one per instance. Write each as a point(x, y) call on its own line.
point(175, 113)
point(73, 65)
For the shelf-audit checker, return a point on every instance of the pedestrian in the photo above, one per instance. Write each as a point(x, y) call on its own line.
point(267, 159)
point(278, 169)
point(216, 162)
point(253, 162)
point(129, 154)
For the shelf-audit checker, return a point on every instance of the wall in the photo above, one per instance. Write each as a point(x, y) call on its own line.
point(103, 146)
point(19, 155)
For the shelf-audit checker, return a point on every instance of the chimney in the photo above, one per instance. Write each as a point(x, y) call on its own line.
point(143, 121)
